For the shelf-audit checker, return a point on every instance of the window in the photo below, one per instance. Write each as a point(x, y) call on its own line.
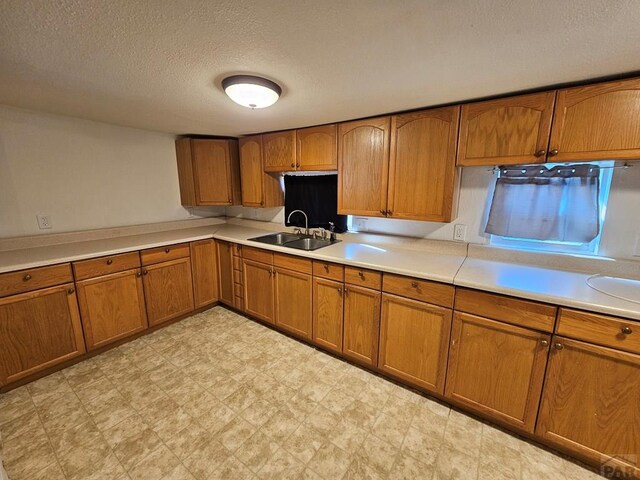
point(551, 207)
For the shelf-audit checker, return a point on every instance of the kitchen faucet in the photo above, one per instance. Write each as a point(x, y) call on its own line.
point(306, 220)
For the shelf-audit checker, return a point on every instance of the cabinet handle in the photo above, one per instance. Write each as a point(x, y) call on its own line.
point(540, 153)
point(361, 275)
point(293, 165)
point(326, 268)
point(138, 274)
point(262, 203)
point(553, 153)
point(167, 250)
point(346, 291)
point(26, 278)
point(627, 331)
point(383, 212)
point(558, 346)
point(297, 165)
point(340, 290)
point(145, 271)
point(71, 290)
point(389, 212)
point(109, 262)
point(544, 343)
point(414, 284)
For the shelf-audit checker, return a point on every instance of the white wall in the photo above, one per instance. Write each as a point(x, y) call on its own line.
point(84, 174)
point(621, 228)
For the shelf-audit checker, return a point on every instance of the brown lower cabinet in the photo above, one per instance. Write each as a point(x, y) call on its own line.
point(168, 290)
point(361, 324)
point(591, 404)
point(497, 369)
point(204, 266)
point(293, 298)
point(112, 307)
point(414, 341)
point(328, 307)
point(225, 271)
point(38, 330)
point(258, 290)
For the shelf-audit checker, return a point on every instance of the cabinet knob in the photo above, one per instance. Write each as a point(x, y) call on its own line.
point(553, 153)
point(326, 268)
point(71, 290)
point(540, 153)
point(558, 346)
point(414, 284)
point(26, 278)
point(389, 213)
point(346, 291)
point(544, 343)
point(293, 165)
point(109, 262)
point(340, 290)
point(297, 165)
point(383, 212)
point(627, 331)
point(262, 203)
point(167, 250)
point(145, 271)
point(138, 274)
point(361, 275)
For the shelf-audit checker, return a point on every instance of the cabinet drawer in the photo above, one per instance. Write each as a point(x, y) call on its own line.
point(97, 267)
point(525, 313)
point(332, 271)
point(237, 277)
point(237, 263)
point(363, 277)
point(257, 255)
point(238, 290)
point(423, 290)
point(599, 329)
point(164, 254)
point(34, 278)
point(290, 262)
point(236, 250)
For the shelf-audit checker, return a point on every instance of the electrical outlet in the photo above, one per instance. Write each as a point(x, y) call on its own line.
point(44, 222)
point(460, 232)
point(359, 224)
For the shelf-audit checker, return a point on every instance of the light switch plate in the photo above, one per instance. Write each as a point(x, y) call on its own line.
point(459, 232)
point(44, 222)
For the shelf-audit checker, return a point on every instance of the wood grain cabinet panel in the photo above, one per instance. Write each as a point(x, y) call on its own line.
point(328, 308)
point(97, 267)
point(279, 149)
point(38, 330)
point(331, 271)
point(361, 325)
point(168, 290)
point(418, 289)
point(12, 283)
point(317, 148)
point(293, 301)
point(164, 254)
point(497, 369)
point(597, 122)
point(204, 265)
point(112, 307)
point(363, 277)
point(590, 404)
point(423, 177)
point(258, 290)
point(259, 189)
point(512, 130)
point(208, 172)
point(225, 272)
point(414, 341)
point(363, 167)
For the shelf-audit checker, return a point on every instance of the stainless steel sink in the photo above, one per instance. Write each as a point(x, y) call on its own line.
point(276, 238)
point(309, 244)
point(292, 240)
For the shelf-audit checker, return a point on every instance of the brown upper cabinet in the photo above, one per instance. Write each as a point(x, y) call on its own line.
point(279, 151)
point(259, 189)
point(597, 122)
point(208, 172)
point(317, 148)
point(513, 130)
point(423, 177)
point(363, 167)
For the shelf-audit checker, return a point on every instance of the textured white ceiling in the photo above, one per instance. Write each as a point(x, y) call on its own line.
point(157, 64)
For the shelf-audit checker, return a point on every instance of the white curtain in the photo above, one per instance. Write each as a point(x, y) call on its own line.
point(557, 204)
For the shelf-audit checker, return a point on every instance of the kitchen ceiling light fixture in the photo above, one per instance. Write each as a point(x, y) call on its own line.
point(251, 91)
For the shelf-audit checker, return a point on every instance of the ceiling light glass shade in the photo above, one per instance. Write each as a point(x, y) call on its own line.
point(250, 91)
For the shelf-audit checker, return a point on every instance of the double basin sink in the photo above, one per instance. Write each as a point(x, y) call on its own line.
point(293, 240)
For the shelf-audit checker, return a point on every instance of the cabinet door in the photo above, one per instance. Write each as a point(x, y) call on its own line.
point(225, 272)
point(293, 296)
point(279, 151)
point(112, 307)
point(38, 329)
point(317, 148)
point(597, 122)
point(252, 171)
point(258, 289)
point(328, 302)
point(363, 167)
point(505, 131)
point(497, 369)
point(414, 341)
point(212, 172)
point(361, 324)
point(205, 272)
point(591, 403)
point(168, 290)
point(423, 177)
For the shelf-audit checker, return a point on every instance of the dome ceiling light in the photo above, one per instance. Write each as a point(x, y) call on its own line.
point(251, 91)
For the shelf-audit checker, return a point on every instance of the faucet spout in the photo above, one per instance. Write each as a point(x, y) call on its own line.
point(306, 220)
